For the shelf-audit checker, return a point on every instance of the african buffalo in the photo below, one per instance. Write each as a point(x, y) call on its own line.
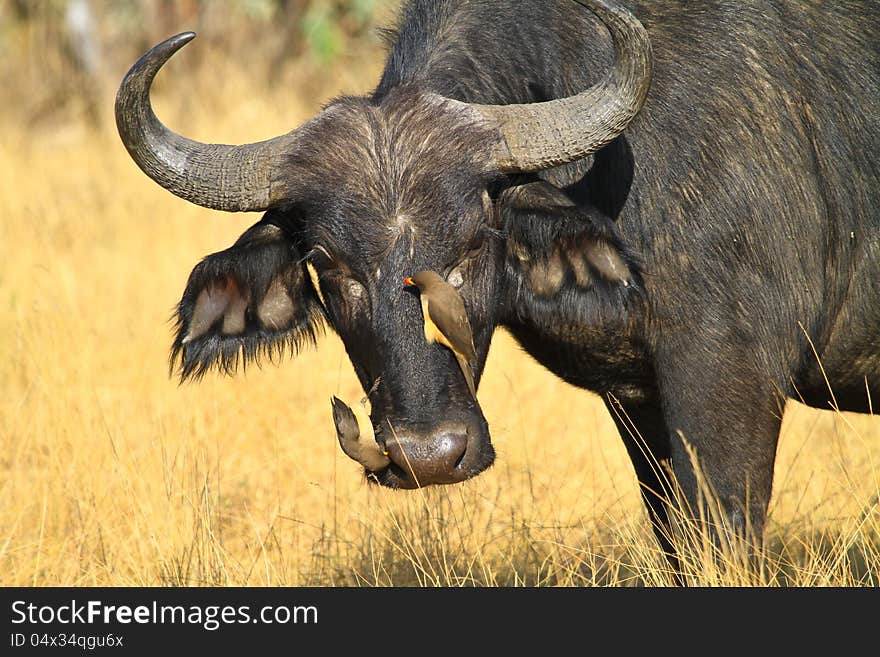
point(679, 212)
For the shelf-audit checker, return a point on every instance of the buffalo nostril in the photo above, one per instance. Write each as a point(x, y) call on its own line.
point(461, 454)
point(430, 459)
point(453, 447)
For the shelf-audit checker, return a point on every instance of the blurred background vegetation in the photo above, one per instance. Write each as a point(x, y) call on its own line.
point(62, 59)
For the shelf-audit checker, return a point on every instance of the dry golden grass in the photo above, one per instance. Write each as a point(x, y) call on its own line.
point(112, 474)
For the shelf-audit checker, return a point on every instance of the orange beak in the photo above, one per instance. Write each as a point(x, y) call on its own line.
point(409, 281)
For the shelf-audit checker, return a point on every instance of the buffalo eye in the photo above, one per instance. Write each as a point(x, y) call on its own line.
point(349, 297)
point(476, 244)
point(456, 277)
point(320, 258)
point(353, 291)
point(457, 274)
point(329, 271)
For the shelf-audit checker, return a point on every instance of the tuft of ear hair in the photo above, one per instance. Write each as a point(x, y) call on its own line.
point(565, 257)
point(251, 302)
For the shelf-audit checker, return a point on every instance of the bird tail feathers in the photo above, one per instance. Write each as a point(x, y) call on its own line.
point(468, 372)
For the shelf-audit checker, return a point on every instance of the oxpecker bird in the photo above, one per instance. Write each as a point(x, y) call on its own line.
point(356, 436)
point(446, 320)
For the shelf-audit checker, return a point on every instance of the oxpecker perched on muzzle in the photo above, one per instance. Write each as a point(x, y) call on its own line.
point(446, 320)
point(356, 436)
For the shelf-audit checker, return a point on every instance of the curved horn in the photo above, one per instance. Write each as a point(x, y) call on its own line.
point(218, 176)
point(542, 135)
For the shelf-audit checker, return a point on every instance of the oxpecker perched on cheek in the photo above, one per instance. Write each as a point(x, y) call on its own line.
point(446, 320)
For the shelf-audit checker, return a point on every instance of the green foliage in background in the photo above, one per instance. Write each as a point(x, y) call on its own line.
point(63, 54)
point(324, 25)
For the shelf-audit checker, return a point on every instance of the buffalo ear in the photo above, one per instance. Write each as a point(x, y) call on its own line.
point(556, 243)
point(250, 301)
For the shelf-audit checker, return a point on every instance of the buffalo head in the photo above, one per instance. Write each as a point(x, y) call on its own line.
point(370, 191)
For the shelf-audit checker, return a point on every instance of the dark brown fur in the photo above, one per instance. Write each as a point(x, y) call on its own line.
point(742, 204)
